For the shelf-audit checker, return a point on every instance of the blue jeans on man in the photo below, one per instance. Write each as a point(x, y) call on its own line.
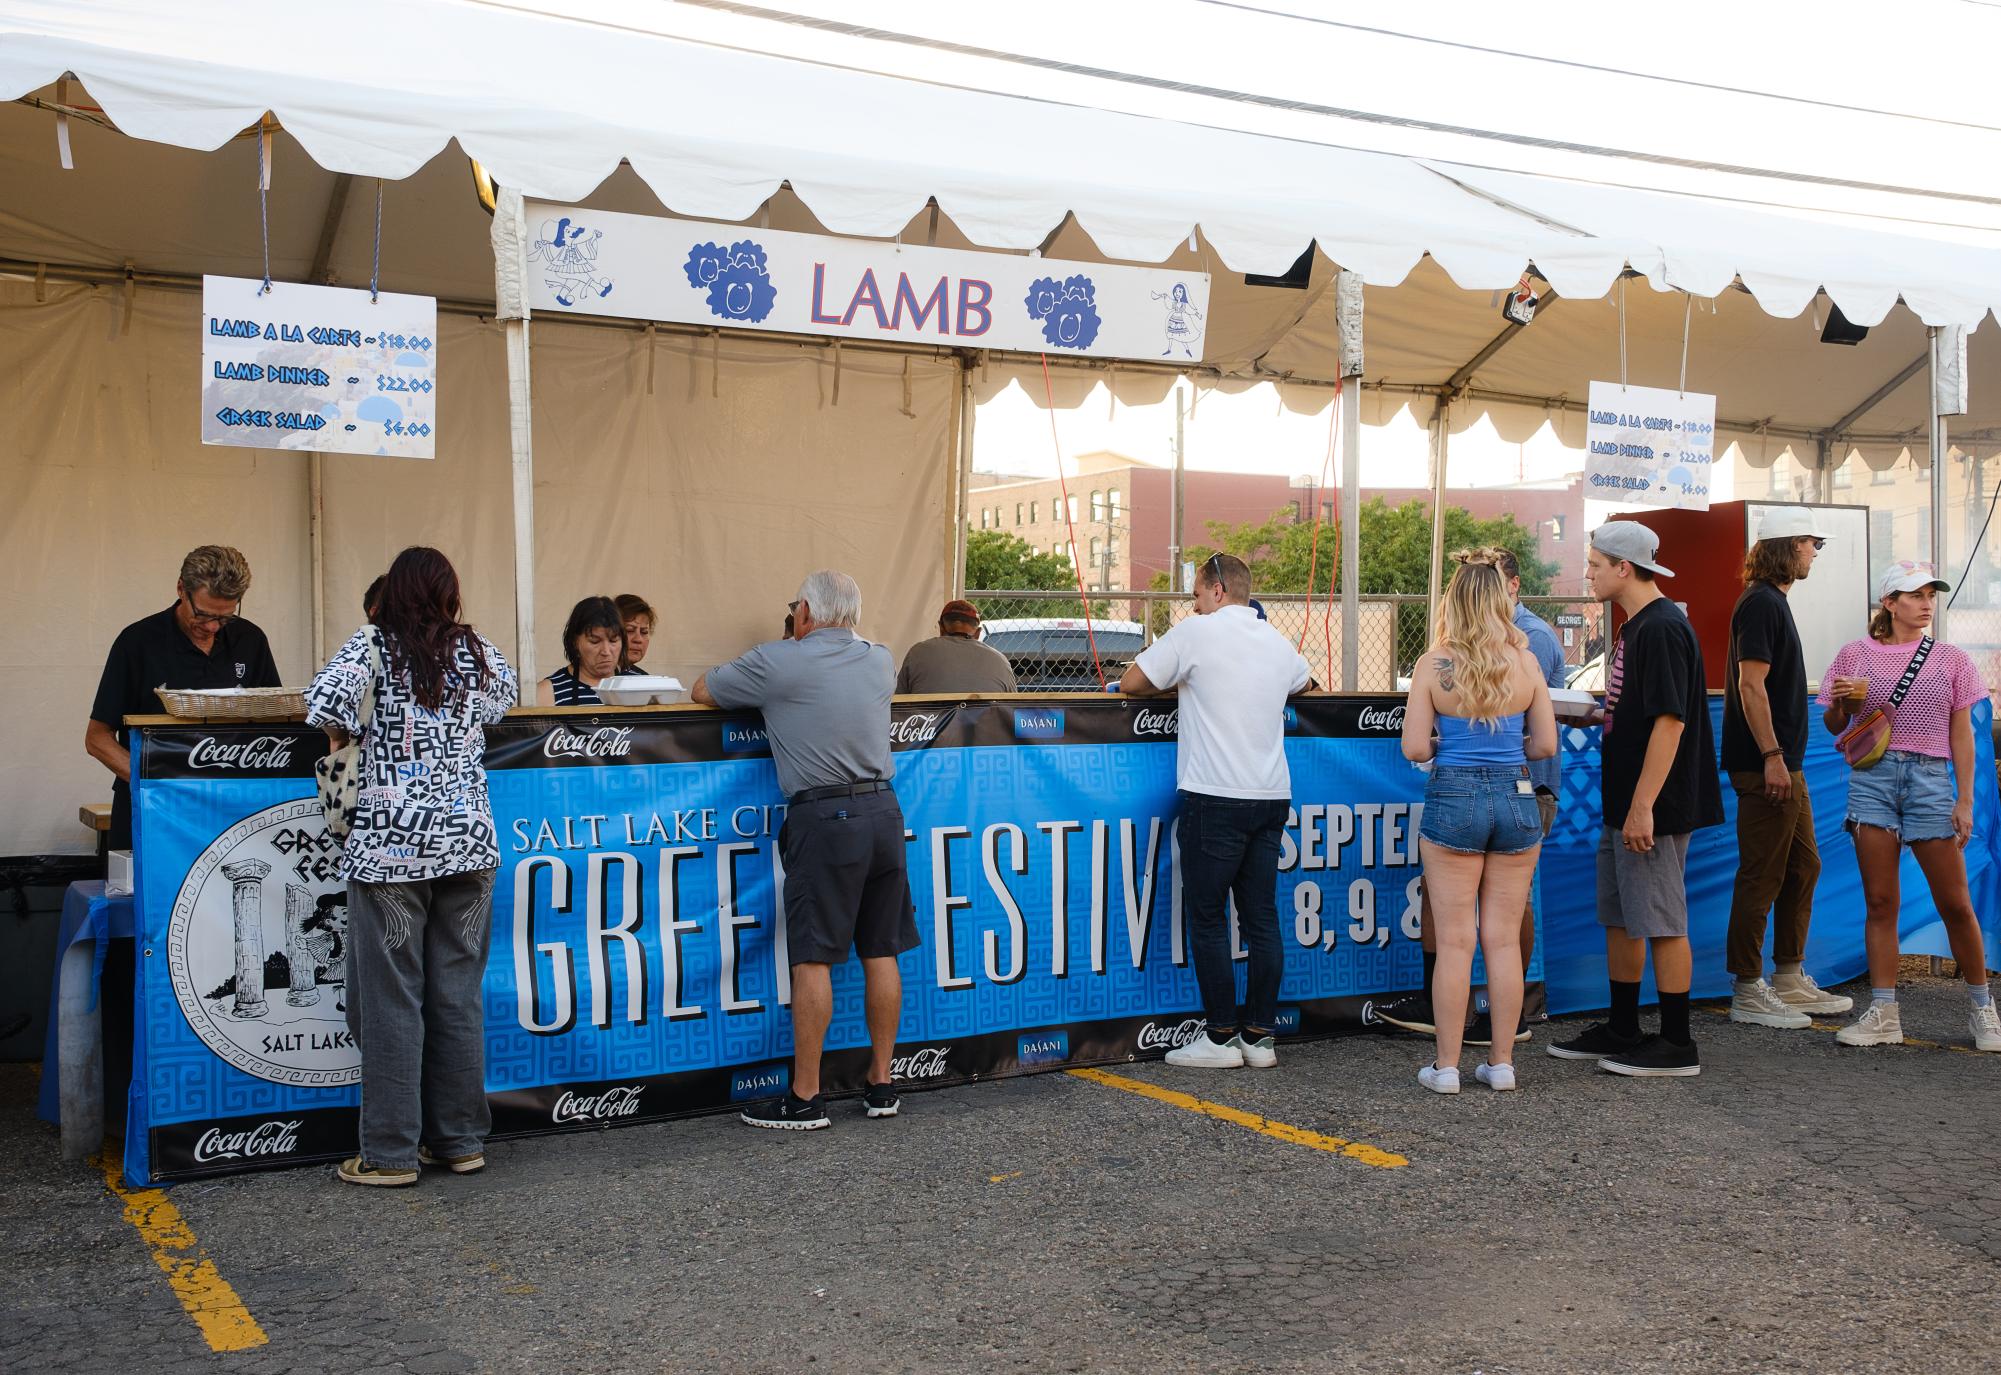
point(1230, 848)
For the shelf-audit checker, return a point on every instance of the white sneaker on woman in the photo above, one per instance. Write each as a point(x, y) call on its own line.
point(1499, 1078)
point(1439, 1080)
point(1986, 1025)
point(1880, 1024)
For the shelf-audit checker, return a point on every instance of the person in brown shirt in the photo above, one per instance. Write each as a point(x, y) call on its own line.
point(956, 661)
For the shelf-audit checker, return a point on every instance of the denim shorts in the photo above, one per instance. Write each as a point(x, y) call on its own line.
point(1478, 809)
point(1909, 795)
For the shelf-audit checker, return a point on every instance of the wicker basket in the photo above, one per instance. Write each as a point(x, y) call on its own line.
point(234, 704)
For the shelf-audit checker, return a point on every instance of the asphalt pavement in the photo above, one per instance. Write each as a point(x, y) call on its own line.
point(1799, 1207)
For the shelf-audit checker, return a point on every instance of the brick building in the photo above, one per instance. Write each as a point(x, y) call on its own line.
point(1122, 512)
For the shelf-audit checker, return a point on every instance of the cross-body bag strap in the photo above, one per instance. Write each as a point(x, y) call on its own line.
point(1903, 686)
point(367, 713)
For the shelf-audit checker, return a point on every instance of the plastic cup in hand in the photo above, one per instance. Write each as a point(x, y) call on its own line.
point(1858, 689)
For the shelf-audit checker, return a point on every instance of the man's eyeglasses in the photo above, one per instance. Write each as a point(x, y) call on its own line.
point(792, 608)
point(201, 617)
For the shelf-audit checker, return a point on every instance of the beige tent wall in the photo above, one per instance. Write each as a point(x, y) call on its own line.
point(711, 496)
point(104, 485)
point(739, 474)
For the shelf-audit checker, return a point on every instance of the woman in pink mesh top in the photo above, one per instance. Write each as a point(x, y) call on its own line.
point(1920, 793)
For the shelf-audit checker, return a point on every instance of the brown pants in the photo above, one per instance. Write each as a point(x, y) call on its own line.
point(1778, 864)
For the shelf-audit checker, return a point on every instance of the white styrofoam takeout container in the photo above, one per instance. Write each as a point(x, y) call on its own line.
point(641, 690)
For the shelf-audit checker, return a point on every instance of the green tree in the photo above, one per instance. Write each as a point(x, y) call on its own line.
point(997, 561)
point(1395, 552)
point(1395, 556)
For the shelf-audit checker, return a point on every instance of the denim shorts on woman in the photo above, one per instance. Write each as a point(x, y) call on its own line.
point(1481, 809)
point(1908, 795)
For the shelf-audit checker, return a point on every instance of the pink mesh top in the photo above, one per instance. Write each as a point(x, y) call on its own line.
point(1922, 723)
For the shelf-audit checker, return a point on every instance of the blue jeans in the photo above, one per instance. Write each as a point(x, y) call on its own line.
point(1230, 847)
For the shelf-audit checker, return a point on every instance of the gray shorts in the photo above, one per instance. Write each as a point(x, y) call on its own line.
point(1643, 894)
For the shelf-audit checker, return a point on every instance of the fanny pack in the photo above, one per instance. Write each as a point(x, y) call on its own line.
point(337, 777)
point(1863, 743)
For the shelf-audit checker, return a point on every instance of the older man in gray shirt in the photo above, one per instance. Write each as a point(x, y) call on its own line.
point(825, 700)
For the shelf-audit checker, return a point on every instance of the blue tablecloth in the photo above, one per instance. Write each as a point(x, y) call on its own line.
point(88, 915)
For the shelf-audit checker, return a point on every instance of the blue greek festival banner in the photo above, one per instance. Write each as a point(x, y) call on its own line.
point(637, 967)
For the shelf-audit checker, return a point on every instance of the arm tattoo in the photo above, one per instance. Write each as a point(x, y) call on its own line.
point(1444, 667)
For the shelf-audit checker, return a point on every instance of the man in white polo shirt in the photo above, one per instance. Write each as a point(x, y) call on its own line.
point(1233, 672)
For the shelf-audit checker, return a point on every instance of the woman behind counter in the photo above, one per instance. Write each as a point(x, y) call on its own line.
point(594, 643)
point(635, 614)
point(419, 865)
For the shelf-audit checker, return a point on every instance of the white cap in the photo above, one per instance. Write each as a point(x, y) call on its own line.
point(1791, 522)
point(1907, 575)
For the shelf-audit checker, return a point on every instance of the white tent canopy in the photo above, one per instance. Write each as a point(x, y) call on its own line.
point(552, 104)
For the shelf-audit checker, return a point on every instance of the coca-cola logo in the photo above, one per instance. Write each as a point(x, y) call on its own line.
point(1381, 718)
point(1154, 1036)
point(928, 1063)
point(618, 1102)
point(605, 742)
point(1147, 721)
point(264, 1139)
point(918, 728)
point(259, 752)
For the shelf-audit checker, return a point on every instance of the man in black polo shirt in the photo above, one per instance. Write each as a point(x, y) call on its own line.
point(198, 642)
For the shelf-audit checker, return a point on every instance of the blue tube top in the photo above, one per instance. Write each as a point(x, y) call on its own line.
point(1462, 742)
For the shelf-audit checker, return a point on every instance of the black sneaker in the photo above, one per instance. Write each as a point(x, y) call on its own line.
point(1597, 1042)
point(1481, 1031)
point(1655, 1058)
point(881, 1100)
point(790, 1113)
point(1412, 1012)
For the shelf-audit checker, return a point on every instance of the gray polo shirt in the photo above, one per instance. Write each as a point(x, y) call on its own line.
point(955, 663)
point(825, 701)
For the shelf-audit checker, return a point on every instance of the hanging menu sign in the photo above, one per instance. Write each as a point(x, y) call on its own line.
point(318, 367)
point(1649, 446)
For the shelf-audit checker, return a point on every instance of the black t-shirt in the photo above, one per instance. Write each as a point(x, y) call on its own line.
point(1762, 630)
point(1656, 670)
point(153, 653)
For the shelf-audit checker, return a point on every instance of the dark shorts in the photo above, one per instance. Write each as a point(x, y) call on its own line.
point(845, 883)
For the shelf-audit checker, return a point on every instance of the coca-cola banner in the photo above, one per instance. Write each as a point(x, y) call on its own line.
point(636, 969)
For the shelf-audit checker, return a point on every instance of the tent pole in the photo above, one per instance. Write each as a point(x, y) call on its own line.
point(510, 237)
point(316, 525)
point(963, 469)
point(1441, 444)
point(1938, 447)
point(1348, 317)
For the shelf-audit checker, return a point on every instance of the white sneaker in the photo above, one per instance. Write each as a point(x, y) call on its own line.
point(1439, 1080)
point(1499, 1078)
point(1802, 994)
point(1258, 1054)
point(1881, 1024)
point(1760, 1006)
point(1203, 1053)
point(1986, 1025)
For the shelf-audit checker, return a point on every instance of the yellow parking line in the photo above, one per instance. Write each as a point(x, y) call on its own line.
point(205, 1294)
point(1264, 1126)
point(1914, 1041)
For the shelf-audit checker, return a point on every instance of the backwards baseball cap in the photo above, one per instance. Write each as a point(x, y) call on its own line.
point(1632, 542)
point(1792, 522)
point(1908, 575)
point(956, 610)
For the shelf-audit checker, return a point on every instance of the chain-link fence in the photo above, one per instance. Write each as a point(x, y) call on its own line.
point(1045, 637)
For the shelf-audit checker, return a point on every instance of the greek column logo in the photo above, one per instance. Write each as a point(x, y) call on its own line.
point(257, 950)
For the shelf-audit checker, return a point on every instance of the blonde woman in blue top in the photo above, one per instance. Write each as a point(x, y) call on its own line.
point(1474, 695)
